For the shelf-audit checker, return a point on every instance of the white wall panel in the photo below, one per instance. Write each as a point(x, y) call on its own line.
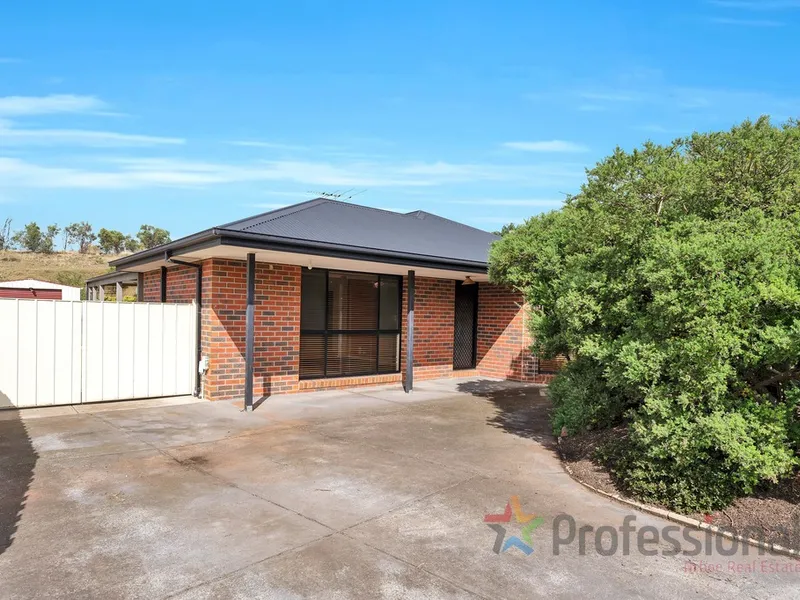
point(9, 353)
point(47, 340)
point(61, 352)
point(27, 331)
point(140, 343)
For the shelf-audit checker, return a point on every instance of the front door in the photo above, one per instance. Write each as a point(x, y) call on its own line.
point(466, 310)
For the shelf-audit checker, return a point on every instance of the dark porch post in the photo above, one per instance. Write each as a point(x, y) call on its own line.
point(410, 336)
point(140, 287)
point(250, 332)
point(163, 284)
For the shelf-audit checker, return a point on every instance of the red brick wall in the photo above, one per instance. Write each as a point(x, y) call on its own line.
point(434, 321)
point(503, 337)
point(152, 286)
point(502, 345)
point(277, 332)
point(181, 284)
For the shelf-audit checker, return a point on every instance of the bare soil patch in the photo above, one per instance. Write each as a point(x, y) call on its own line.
point(771, 514)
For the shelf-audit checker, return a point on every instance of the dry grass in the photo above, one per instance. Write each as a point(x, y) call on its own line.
point(67, 268)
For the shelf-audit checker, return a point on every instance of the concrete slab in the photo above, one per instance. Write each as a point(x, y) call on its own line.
point(169, 426)
point(451, 432)
point(337, 484)
point(315, 406)
point(74, 436)
point(138, 525)
point(446, 534)
point(96, 407)
point(345, 495)
point(15, 414)
point(398, 396)
point(334, 567)
point(40, 412)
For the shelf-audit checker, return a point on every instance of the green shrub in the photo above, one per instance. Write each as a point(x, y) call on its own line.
point(71, 278)
point(673, 280)
point(582, 400)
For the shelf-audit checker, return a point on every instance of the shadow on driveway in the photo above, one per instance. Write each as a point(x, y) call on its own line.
point(17, 461)
point(521, 409)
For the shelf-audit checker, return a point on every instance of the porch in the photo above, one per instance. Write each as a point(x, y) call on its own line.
point(327, 294)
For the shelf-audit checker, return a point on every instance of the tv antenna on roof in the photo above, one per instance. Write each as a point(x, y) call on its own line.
point(337, 195)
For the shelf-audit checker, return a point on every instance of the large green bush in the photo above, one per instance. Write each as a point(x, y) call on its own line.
point(672, 282)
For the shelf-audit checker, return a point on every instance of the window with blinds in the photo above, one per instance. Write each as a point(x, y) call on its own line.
point(349, 324)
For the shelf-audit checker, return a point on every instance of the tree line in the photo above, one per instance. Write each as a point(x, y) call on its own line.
point(80, 236)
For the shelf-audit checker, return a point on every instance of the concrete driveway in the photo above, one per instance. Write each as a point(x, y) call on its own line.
point(364, 494)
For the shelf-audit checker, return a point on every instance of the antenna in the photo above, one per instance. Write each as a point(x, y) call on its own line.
point(337, 194)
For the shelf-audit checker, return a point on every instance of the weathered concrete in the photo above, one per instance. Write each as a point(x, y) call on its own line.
point(361, 494)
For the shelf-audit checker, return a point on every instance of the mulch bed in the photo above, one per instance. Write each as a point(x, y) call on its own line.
point(773, 510)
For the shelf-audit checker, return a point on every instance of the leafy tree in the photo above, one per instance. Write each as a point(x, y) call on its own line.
point(81, 234)
point(672, 281)
point(68, 239)
point(505, 229)
point(30, 238)
point(47, 244)
point(150, 236)
point(111, 241)
point(132, 244)
point(6, 239)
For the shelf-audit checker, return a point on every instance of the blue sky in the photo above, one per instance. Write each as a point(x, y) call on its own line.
point(189, 114)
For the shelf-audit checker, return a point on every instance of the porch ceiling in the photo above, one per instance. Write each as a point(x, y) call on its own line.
point(305, 260)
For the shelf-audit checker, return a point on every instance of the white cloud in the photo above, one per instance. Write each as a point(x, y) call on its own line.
point(746, 22)
point(164, 172)
point(270, 145)
point(740, 102)
point(546, 146)
point(591, 108)
point(10, 136)
point(14, 106)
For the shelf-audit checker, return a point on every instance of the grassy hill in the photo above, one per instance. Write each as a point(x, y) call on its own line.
point(66, 268)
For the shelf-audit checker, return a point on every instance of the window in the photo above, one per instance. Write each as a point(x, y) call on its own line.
point(349, 324)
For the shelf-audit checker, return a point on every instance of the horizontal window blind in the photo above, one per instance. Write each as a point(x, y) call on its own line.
point(349, 324)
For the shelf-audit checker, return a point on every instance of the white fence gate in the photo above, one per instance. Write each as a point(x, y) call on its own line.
point(57, 352)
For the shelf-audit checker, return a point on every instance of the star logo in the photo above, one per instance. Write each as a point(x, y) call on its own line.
point(529, 522)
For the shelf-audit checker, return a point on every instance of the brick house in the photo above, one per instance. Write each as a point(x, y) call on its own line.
point(320, 295)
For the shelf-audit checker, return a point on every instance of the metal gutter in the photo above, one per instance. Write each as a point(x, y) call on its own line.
point(113, 277)
point(146, 256)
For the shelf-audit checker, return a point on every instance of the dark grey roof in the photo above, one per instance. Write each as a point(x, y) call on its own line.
point(333, 228)
point(347, 224)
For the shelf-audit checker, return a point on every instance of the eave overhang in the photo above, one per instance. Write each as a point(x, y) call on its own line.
point(223, 237)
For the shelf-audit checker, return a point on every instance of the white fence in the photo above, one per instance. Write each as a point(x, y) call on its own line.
point(57, 352)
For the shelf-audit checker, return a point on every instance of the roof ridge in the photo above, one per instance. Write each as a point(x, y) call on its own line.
point(285, 210)
point(355, 205)
point(448, 220)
